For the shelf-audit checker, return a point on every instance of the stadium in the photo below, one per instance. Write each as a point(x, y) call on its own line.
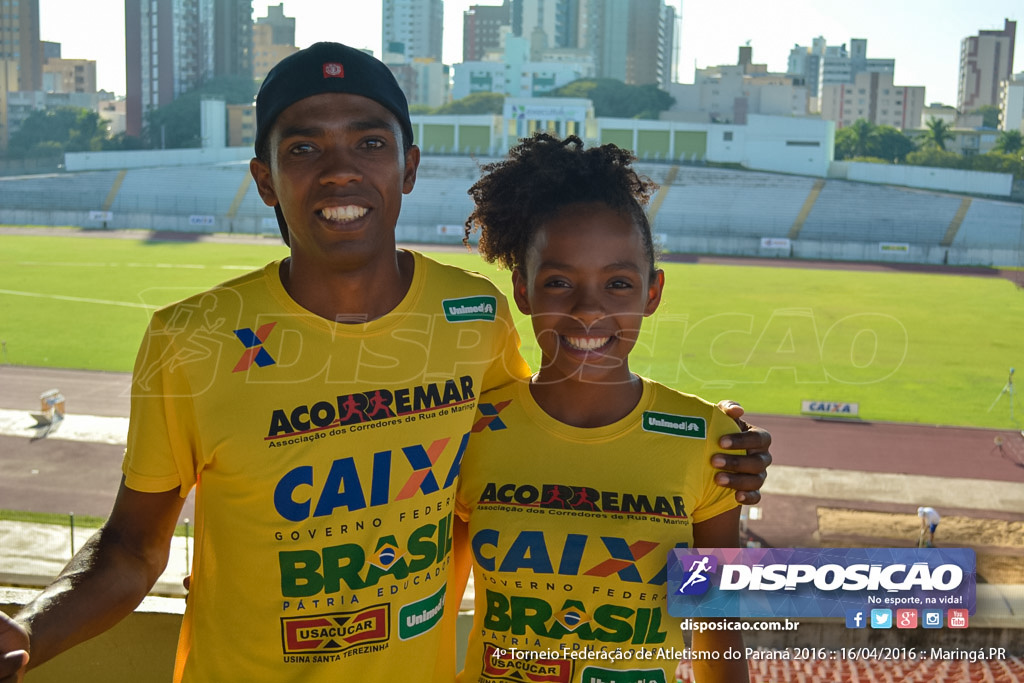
point(804, 298)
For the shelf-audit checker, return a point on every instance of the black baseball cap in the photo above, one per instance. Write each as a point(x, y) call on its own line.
point(326, 68)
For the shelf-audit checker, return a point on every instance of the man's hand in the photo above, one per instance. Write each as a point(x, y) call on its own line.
point(13, 650)
point(745, 473)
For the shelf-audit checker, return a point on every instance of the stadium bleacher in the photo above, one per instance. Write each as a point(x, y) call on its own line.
point(698, 209)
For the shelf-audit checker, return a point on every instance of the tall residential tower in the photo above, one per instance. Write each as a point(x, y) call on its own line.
point(171, 46)
point(413, 28)
point(985, 60)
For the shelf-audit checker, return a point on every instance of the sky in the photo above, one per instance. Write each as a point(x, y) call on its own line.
point(923, 36)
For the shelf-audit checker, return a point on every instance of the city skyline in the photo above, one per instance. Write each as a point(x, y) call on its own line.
point(924, 56)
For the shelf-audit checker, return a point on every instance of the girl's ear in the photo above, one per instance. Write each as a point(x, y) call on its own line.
point(654, 290)
point(520, 291)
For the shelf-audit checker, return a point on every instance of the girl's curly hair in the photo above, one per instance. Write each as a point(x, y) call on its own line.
point(541, 175)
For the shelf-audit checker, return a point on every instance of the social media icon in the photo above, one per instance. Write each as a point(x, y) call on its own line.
point(856, 618)
point(931, 618)
point(957, 618)
point(906, 618)
point(881, 618)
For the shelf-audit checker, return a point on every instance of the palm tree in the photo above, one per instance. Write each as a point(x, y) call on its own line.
point(938, 133)
point(1009, 142)
point(865, 134)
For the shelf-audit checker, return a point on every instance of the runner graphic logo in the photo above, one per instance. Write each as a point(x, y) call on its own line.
point(697, 568)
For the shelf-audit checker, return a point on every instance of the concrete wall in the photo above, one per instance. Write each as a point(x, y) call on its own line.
point(97, 161)
point(948, 179)
point(845, 251)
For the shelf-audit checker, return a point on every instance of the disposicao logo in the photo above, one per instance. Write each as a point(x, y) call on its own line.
point(470, 308)
point(696, 579)
point(819, 582)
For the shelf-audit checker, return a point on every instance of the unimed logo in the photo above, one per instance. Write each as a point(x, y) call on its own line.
point(470, 308)
point(419, 617)
point(675, 425)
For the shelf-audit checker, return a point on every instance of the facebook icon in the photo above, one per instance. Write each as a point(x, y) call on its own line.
point(855, 618)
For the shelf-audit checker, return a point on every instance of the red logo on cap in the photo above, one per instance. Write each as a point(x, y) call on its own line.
point(334, 70)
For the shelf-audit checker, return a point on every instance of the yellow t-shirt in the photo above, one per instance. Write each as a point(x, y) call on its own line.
point(570, 531)
point(325, 458)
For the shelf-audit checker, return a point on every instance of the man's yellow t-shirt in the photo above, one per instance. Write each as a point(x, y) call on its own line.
point(570, 531)
point(325, 458)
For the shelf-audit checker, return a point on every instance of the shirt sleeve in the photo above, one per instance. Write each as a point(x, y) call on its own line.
point(715, 499)
point(162, 435)
point(507, 364)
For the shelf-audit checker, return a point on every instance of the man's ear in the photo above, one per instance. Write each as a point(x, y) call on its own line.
point(260, 171)
point(654, 290)
point(412, 163)
point(520, 291)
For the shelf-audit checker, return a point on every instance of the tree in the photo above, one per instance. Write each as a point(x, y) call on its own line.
point(864, 140)
point(52, 132)
point(937, 133)
point(475, 103)
point(846, 144)
point(891, 144)
point(930, 155)
point(613, 98)
point(989, 115)
point(1009, 142)
point(178, 124)
point(997, 162)
point(863, 132)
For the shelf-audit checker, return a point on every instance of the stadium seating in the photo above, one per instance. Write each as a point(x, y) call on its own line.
point(698, 209)
point(857, 212)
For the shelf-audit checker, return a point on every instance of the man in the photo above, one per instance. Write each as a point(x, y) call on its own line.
point(325, 446)
point(929, 523)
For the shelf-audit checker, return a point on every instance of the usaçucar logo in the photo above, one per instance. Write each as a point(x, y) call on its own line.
point(675, 425)
point(336, 632)
point(502, 666)
point(470, 308)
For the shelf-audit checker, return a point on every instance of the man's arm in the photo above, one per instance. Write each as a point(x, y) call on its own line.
point(102, 583)
point(745, 473)
point(721, 531)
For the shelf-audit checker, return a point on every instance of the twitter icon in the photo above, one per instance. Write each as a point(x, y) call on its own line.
point(881, 618)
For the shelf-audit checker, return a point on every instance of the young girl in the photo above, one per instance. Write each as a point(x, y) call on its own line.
point(577, 483)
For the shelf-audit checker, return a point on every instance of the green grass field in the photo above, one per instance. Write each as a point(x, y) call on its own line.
point(932, 349)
